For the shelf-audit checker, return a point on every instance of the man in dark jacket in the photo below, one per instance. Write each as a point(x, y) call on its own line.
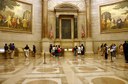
point(6, 50)
point(125, 48)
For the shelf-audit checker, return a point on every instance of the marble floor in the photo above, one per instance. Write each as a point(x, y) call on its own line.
point(91, 69)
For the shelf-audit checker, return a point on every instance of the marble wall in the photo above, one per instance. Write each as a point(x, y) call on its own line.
point(21, 39)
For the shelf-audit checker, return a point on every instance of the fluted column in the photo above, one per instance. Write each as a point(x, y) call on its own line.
point(45, 19)
point(89, 40)
point(88, 18)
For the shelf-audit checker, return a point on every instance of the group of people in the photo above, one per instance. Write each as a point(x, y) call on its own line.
point(113, 50)
point(56, 50)
point(10, 50)
point(80, 50)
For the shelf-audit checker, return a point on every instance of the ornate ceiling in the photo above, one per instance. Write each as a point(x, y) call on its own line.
point(79, 3)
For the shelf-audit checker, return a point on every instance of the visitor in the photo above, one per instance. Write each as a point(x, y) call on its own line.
point(50, 49)
point(12, 49)
point(125, 49)
point(26, 51)
point(106, 51)
point(6, 50)
point(82, 49)
point(34, 51)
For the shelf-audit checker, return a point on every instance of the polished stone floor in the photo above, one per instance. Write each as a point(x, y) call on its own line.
point(91, 69)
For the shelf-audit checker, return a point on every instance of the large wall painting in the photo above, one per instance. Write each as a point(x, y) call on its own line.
point(114, 17)
point(17, 19)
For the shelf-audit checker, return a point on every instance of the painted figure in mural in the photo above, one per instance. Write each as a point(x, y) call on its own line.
point(13, 22)
point(106, 16)
point(126, 22)
point(108, 23)
point(18, 22)
point(113, 23)
point(119, 23)
point(1, 19)
point(24, 22)
point(8, 20)
point(103, 24)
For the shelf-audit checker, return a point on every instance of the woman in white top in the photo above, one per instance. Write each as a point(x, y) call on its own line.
point(79, 50)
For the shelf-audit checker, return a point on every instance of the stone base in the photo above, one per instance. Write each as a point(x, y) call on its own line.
point(45, 45)
point(89, 46)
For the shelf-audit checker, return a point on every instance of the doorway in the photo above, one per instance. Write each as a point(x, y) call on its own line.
point(66, 28)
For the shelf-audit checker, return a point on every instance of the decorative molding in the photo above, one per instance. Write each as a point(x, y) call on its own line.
point(79, 3)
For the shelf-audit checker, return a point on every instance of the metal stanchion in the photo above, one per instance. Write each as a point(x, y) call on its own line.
point(44, 59)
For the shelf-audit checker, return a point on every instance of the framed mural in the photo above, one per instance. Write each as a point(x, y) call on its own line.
point(114, 17)
point(16, 17)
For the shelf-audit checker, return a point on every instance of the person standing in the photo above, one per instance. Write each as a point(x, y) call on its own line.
point(125, 49)
point(75, 51)
point(106, 51)
point(34, 51)
point(12, 49)
point(6, 50)
point(82, 49)
point(50, 49)
point(26, 50)
point(79, 51)
point(112, 52)
point(102, 49)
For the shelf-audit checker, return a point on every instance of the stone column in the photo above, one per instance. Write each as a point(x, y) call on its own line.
point(88, 18)
point(45, 38)
point(89, 41)
point(45, 19)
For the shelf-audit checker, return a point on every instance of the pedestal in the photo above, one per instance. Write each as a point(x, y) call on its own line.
point(45, 45)
point(89, 46)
